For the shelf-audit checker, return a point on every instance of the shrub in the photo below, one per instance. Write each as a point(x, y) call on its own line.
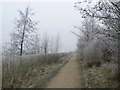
point(111, 69)
point(91, 63)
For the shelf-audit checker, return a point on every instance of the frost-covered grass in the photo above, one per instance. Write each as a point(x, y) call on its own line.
point(102, 76)
point(16, 68)
point(99, 77)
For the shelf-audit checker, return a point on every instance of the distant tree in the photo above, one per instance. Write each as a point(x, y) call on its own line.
point(34, 45)
point(45, 44)
point(54, 45)
point(51, 47)
point(57, 43)
point(24, 27)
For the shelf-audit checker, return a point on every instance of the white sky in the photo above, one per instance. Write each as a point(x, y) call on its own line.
point(0, 27)
point(54, 17)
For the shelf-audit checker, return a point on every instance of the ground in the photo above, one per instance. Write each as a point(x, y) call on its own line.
point(68, 77)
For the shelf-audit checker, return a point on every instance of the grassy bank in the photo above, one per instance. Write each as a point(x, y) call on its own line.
point(102, 76)
point(22, 71)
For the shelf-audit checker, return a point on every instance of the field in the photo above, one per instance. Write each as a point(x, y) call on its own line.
point(22, 71)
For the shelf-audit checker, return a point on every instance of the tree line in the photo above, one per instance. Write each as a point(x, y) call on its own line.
point(25, 39)
point(99, 35)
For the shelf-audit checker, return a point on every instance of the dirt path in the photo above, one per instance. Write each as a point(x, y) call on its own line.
point(68, 76)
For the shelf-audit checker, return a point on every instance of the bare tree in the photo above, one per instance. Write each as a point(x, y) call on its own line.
point(107, 12)
point(51, 47)
point(54, 45)
point(57, 43)
point(34, 46)
point(105, 47)
point(45, 43)
point(24, 27)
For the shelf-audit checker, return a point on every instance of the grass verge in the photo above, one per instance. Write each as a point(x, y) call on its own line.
point(97, 77)
point(30, 71)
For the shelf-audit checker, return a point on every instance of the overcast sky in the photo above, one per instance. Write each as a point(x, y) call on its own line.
point(54, 17)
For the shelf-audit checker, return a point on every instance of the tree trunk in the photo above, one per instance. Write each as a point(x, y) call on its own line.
point(21, 49)
point(23, 34)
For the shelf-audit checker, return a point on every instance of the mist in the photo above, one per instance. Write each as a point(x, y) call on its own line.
point(54, 18)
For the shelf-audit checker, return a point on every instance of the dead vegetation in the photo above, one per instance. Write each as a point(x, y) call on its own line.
point(103, 76)
point(22, 71)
